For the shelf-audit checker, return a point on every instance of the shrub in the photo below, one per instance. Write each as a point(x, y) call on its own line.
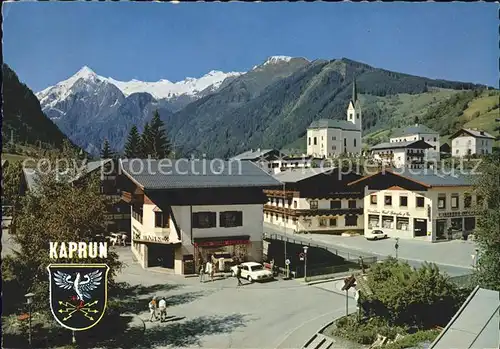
point(414, 340)
point(365, 332)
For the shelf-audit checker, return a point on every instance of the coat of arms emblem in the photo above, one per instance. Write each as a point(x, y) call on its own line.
point(78, 294)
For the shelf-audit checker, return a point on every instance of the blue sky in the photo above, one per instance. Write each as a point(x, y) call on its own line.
point(46, 42)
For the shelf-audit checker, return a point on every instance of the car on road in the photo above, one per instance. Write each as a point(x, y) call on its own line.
point(376, 235)
point(253, 271)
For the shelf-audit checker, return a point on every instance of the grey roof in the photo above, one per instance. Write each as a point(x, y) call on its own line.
point(30, 174)
point(440, 179)
point(412, 130)
point(330, 123)
point(197, 173)
point(299, 174)
point(251, 154)
point(474, 133)
point(475, 325)
point(396, 145)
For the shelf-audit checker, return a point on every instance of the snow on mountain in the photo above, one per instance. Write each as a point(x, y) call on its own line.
point(167, 89)
point(274, 60)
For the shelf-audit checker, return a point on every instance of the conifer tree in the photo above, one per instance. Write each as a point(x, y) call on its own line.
point(160, 145)
point(106, 152)
point(145, 144)
point(133, 145)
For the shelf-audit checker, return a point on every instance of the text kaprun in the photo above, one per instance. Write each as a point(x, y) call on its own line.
point(61, 250)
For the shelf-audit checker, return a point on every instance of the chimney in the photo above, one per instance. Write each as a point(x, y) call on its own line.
point(482, 133)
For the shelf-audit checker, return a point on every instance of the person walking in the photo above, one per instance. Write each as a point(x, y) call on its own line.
point(152, 310)
point(238, 275)
point(202, 272)
point(163, 309)
point(210, 270)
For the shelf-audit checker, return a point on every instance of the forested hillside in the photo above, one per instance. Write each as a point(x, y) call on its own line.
point(23, 117)
point(233, 120)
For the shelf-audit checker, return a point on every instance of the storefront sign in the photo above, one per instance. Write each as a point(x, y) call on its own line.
point(141, 237)
point(222, 243)
point(457, 214)
point(391, 213)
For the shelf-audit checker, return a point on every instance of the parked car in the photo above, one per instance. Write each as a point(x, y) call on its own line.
point(253, 271)
point(376, 235)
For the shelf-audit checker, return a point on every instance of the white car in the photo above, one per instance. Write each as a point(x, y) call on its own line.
point(376, 235)
point(253, 271)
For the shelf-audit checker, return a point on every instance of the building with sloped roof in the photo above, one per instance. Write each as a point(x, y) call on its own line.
point(424, 204)
point(315, 200)
point(184, 212)
point(419, 132)
point(475, 325)
point(327, 138)
point(467, 142)
point(409, 154)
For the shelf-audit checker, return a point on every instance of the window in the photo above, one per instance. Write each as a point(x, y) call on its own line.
point(467, 201)
point(454, 201)
point(469, 223)
point(334, 147)
point(442, 202)
point(403, 201)
point(230, 219)
point(373, 221)
point(295, 204)
point(334, 138)
point(388, 200)
point(204, 220)
point(321, 137)
point(335, 204)
point(161, 220)
point(352, 204)
point(480, 201)
point(354, 141)
point(333, 222)
point(357, 116)
point(350, 116)
point(315, 141)
point(435, 139)
point(388, 222)
point(322, 222)
point(345, 142)
point(313, 204)
point(137, 213)
point(351, 221)
point(457, 223)
point(402, 223)
point(309, 140)
point(373, 199)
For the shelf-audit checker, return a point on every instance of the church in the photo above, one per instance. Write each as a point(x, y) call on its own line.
point(327, 138)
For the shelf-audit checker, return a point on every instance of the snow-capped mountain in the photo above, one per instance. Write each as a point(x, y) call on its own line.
point(167, 89)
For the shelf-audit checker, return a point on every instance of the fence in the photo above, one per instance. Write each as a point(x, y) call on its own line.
point(326, 271)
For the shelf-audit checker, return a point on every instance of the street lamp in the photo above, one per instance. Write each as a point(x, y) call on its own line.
point(305, 262)
point(29, 302)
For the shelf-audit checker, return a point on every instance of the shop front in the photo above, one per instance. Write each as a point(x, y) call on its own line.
point(226, 251)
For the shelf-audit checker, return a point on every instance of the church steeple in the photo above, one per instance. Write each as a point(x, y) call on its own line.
point(354, 97)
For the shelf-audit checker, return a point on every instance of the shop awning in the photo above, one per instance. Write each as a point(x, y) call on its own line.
point(222, 241)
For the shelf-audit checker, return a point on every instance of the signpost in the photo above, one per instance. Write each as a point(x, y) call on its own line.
point(349, 282)
point(287, 267)
point(301, 256)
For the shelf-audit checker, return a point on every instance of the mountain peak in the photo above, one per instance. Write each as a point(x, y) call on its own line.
point(85, 72)
point(277, 59)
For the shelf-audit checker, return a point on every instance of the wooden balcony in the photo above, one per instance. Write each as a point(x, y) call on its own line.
point(312, 212)
point(279, 193)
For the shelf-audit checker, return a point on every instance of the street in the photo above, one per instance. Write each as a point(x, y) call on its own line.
point(276, 314)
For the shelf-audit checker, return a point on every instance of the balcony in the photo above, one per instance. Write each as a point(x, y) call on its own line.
point(312, 212)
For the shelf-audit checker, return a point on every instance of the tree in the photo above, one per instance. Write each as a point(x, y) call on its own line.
point(146, 144)
point(487, 234)
point(416, 121)
point(160, 145)
point(56, 211)
point(106, 152)
point(133, 145)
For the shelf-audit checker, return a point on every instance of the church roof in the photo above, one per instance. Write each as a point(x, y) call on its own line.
point(330, 123)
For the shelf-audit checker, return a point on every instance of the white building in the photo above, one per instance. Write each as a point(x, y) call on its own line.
point(419, 132)
point(327, 138)
point(409, 154)
point(466, 142)
point(185, 211)
point(315, 200)
point(426, 205)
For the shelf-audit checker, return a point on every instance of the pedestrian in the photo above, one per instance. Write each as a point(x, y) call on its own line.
point(209, 270)
point(152, 310)
point(238, 275)
point(202, 272)
point(163, 309)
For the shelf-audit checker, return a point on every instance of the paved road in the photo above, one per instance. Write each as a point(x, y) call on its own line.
point(279, 314)
point(452, 257)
